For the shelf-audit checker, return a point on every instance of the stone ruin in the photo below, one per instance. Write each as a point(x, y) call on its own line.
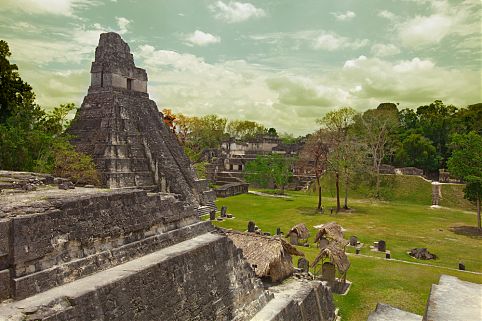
point(436, 193)
point(422, 254)
point(122, 129)
point(126, 253)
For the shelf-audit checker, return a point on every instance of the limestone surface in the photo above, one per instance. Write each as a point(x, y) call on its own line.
point(122, 129)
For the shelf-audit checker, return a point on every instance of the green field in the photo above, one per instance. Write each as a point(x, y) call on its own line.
point(403, 225)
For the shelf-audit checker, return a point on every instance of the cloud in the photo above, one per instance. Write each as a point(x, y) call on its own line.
point(386, 14)
point(234, 12)
point(425, 30)
point(55, 7)
point(332, 41)
point(410, 82)
point(302, 91)
point(384, 50)
point(346, 16)
point(445, 20)
point(200, 38)
point(122, 23)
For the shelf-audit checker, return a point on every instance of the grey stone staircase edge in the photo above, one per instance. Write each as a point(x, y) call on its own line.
point(107, 259)
point(17, 311)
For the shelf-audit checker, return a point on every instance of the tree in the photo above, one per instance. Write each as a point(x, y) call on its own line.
point(272, 132)
point(199, 133)
point(336, 124)
point(466, 164)
point(266, 169)
point(314, 158)
point(14, 91)
point(437, 122)
point(417, 151)
point(168, 117)
point(377, 128)
point(32, 139)
point(245, 129)
point(469, 119)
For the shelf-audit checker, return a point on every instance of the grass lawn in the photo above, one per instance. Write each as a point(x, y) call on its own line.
point(401, 224)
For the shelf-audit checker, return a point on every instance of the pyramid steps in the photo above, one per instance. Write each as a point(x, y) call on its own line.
point(193, 266)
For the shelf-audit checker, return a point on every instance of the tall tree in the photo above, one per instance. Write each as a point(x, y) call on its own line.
point(377, 128)
point(266, 169)
point(437, 122)
point(466, 164)
point(336, 124)
point(14, 93)
point(313, 158)
point(417, 151)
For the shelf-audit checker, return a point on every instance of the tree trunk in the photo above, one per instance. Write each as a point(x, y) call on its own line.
point(337, 192)
point(377, 191)
point(478, 214)
point(319, 192)
point(346, 193)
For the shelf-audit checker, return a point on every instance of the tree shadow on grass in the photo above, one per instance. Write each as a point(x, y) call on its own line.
point(470, 231)
point(309, 211)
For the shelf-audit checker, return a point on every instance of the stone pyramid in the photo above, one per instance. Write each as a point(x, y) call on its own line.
point(125, 254)
point(122, 129)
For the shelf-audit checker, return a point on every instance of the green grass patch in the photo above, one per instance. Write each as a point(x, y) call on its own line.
point(403, 225)
point(400, 189)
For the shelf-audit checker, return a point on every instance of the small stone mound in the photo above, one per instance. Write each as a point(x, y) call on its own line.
point(422, 254)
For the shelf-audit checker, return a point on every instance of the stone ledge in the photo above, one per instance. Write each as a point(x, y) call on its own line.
point(385, 312)
point(299, 300)
point(55, 276)
point(203, 278)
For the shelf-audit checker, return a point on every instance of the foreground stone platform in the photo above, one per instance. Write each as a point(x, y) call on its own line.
point(193, 280)
point(125, 254)
point(298, 300)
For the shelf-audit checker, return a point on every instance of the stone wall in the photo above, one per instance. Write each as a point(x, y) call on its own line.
point(204, 278)
point(232, 189)
point(46, 244)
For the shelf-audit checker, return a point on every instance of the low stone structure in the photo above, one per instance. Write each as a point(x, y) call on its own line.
point(422, 254)
point(231, 189)
point(436, 193)
point(413, 171)
point(227, 164)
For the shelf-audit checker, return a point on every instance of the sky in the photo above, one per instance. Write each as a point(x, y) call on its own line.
point(282, 63)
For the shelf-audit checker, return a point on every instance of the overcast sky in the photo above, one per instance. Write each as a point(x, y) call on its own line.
point(283, 63)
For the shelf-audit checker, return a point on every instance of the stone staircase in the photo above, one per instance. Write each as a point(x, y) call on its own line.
point(226, 177)
point(450, 300)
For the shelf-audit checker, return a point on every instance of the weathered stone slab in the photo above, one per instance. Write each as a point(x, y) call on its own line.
point(454, 300)
point(4, 285)
point(165, 285)
point(385, 312)
point(299, 300)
